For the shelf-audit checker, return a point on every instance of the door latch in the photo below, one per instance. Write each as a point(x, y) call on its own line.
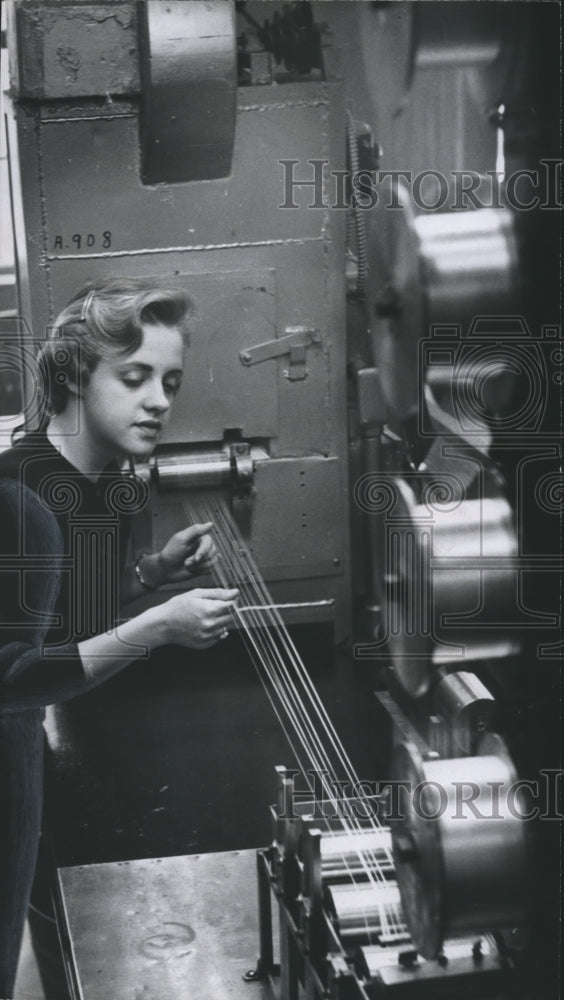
point(295, 343)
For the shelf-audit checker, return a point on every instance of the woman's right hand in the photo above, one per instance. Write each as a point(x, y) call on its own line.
point(198, 618)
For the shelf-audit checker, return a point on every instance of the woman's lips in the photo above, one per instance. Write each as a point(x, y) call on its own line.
point(149, 427)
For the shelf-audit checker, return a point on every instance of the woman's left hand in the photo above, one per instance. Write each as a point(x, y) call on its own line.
point(188, 553)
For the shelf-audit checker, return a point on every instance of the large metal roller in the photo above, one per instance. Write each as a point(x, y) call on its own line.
point(459, 846)
point(453, 581)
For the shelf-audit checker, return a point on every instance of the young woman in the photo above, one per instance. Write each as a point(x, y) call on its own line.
point(109, 373)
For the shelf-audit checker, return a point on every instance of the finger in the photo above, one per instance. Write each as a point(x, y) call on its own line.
point(210, 559)
point(220, 611)
point(186, 542)
point(205, 555)
point(216, 594)
point(213, 630)
point(225, 622)
point(204, 549)
point(194, 531)
point(224, 608)
point(216, 615)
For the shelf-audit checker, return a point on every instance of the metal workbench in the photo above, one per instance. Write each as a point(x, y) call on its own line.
point(179, 928)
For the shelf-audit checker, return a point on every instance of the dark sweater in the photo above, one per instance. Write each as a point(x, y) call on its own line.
point(62, 539)
point(30, 554)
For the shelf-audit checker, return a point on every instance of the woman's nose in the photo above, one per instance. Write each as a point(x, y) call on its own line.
point(156, 397)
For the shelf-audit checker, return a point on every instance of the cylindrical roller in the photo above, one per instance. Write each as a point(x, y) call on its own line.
point(365, 912)
point(468, 257)
point(454, 560)
point(353, 854)
point(189, 95)
point(192, 470)
point(459, 846)
point(467, 706)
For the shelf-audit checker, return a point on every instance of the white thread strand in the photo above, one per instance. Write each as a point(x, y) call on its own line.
point(287, 684)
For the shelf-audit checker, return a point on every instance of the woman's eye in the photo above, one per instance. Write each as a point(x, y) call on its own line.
point(132, 383)
point(172, 387)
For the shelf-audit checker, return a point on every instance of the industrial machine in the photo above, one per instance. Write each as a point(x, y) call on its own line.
point(139, 182)
point(346, 903)
point(361, 200)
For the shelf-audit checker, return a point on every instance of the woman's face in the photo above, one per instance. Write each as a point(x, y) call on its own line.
point(125, 406)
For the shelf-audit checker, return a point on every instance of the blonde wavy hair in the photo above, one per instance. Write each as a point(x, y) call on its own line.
point(102, 320)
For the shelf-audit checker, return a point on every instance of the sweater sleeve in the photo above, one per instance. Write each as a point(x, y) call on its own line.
point(37, 676)
point(32, 674)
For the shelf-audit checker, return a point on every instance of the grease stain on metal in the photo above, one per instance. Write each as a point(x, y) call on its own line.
point(69, 60)
point(170, 943)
